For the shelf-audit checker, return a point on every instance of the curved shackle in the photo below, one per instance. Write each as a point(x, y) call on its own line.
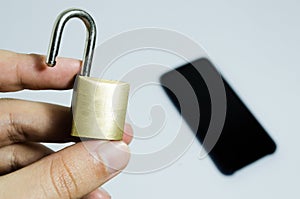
point(90, 38)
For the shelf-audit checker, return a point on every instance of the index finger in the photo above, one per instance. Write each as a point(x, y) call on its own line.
point(29, 71)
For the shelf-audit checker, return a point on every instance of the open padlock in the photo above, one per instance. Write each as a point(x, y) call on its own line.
point(98, 106)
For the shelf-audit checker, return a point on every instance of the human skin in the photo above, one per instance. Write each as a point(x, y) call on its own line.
point(29, 169)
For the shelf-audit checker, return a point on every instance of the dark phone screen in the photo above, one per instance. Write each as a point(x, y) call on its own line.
point(242, 141)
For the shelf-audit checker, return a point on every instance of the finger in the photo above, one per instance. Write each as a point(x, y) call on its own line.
point(22, 121)
point(128, 134)
point(29, 71)
point(70, 173)
point(98, 194)
point(16, 156)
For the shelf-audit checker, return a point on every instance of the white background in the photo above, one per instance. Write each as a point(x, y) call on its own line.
point(255, 45)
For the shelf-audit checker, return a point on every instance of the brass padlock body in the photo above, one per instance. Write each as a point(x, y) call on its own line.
point(99, 108)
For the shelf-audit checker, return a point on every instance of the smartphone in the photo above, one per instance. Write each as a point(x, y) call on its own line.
point(242, 141)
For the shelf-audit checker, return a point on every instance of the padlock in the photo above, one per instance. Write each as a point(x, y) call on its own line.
point(99, 106)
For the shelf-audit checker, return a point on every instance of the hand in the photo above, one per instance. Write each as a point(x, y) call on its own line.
point(31, 170)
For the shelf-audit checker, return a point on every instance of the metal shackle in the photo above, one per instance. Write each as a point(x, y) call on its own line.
point(59, 25)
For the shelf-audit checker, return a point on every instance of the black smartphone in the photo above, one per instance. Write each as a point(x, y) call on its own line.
point(242, 141)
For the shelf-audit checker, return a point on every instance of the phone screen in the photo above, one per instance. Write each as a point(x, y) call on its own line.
point(242, 141)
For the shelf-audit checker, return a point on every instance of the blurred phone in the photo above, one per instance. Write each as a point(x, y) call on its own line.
point(242, 141)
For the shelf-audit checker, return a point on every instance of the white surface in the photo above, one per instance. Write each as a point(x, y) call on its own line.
point(255, 44)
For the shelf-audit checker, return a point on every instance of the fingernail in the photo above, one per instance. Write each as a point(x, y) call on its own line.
point(114, 155)
point(98, 194)
point(103, 193)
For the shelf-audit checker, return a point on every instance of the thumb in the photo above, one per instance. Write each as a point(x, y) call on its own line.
point(69, 173)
